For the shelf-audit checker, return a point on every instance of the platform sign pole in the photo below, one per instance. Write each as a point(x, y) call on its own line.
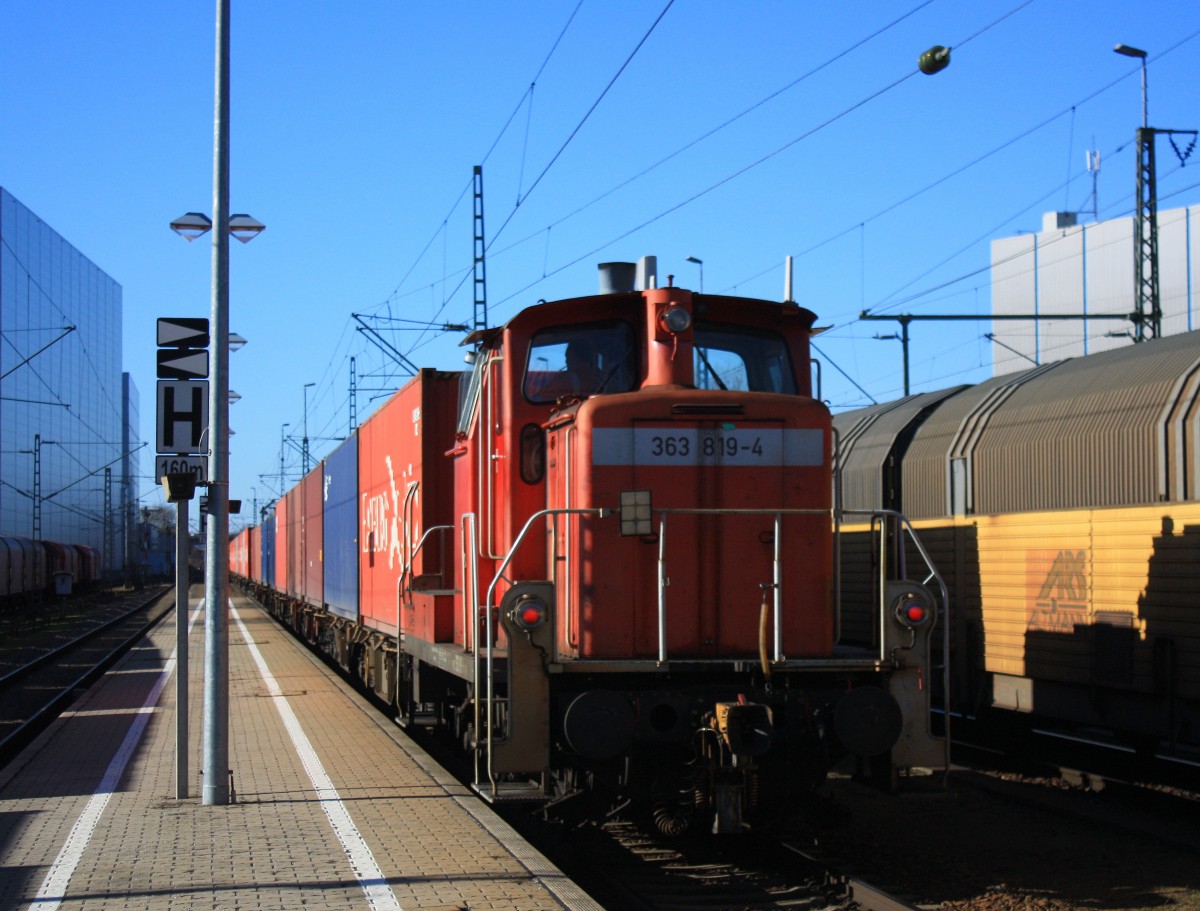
point(182, 609)
point(180, 487)
point(215, 790)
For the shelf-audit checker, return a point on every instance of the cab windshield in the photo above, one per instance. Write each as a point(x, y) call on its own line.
point(742, 358)
point(583, 359)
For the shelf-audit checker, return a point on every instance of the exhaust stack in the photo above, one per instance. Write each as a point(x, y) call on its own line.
point(625, 278)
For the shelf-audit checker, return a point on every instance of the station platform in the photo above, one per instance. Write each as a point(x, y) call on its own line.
point(333, 807)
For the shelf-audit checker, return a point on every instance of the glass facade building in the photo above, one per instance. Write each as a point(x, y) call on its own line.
point(68, 414)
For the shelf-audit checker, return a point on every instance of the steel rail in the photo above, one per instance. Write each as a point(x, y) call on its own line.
point(23, 734)
point(20, 673)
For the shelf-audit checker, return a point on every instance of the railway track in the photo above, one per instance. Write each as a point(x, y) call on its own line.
point(1087, 759)
point(632, 867)
point(44, 674)
point(966, 843)
point(628, 866)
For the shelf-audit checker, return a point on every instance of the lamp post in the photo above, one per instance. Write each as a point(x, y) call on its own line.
point(215, 790)
point(1139, 54)
point(304, 448)
point(1147, 313)
point(700, 263)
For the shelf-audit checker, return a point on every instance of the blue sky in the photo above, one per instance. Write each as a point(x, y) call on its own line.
point(736, 133)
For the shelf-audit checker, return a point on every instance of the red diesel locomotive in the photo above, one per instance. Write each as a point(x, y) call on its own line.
point(605, 561)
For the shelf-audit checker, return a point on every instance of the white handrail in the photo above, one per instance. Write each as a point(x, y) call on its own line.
point(776, 566)
point(490, 639)
point(932, 576)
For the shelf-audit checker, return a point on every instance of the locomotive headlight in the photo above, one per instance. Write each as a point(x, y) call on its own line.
point(675, 319)
point(913, 610)
point(529, 613)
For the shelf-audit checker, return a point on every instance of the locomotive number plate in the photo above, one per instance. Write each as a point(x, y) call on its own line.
point(750, 446)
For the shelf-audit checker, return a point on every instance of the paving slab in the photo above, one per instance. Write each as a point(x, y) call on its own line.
point(332, 806)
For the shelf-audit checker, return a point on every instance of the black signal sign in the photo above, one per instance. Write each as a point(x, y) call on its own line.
point(183, 385)
point(182, 363)
point(182, 332)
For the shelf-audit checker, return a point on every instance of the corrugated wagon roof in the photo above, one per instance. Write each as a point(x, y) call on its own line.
point(1082, 432)
point(1117, 428)
point(867, 439)
point(1090, 432)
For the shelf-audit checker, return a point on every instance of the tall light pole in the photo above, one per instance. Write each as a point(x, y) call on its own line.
point(1147, 308)
point(304, 449)
point(700, 263)
point(1139, 54)
point(215, 790)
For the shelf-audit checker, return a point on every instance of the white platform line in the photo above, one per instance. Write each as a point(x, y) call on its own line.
point(54, 886)
point(362, 861)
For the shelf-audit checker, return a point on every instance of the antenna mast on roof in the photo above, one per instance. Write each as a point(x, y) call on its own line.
point(1093, 167)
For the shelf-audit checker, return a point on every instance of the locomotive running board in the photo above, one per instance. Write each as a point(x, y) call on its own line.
point(510, 792)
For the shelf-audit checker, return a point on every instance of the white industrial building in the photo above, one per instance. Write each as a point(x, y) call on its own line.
point(1087, 269)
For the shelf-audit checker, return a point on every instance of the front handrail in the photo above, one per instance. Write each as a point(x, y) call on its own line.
point(470, 598)
point(933, 575)
point(776, 583)
point(484, 653)
point(489, 637)
point(404, 580)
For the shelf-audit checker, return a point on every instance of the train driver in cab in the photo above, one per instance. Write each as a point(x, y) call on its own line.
point(583, 374)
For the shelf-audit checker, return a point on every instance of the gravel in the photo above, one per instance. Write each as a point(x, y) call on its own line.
point(976, 842)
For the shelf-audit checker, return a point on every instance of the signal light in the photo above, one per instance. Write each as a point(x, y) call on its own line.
point(528, 614)
point(913, 610)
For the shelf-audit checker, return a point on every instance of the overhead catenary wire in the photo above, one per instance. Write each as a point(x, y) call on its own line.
point(548, 269)
point(765, 158)
point(722, 126)
point(587, 115)
point(464, 273)
point(1024, 134)
point(887, 304)
point(549, 272)
point(918, 295)
point(486, 155)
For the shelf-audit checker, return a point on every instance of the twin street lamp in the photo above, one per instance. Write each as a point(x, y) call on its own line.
point(191, 225)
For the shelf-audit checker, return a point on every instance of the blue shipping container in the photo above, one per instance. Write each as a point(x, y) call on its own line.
point(341, 529)
point(266, 566)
